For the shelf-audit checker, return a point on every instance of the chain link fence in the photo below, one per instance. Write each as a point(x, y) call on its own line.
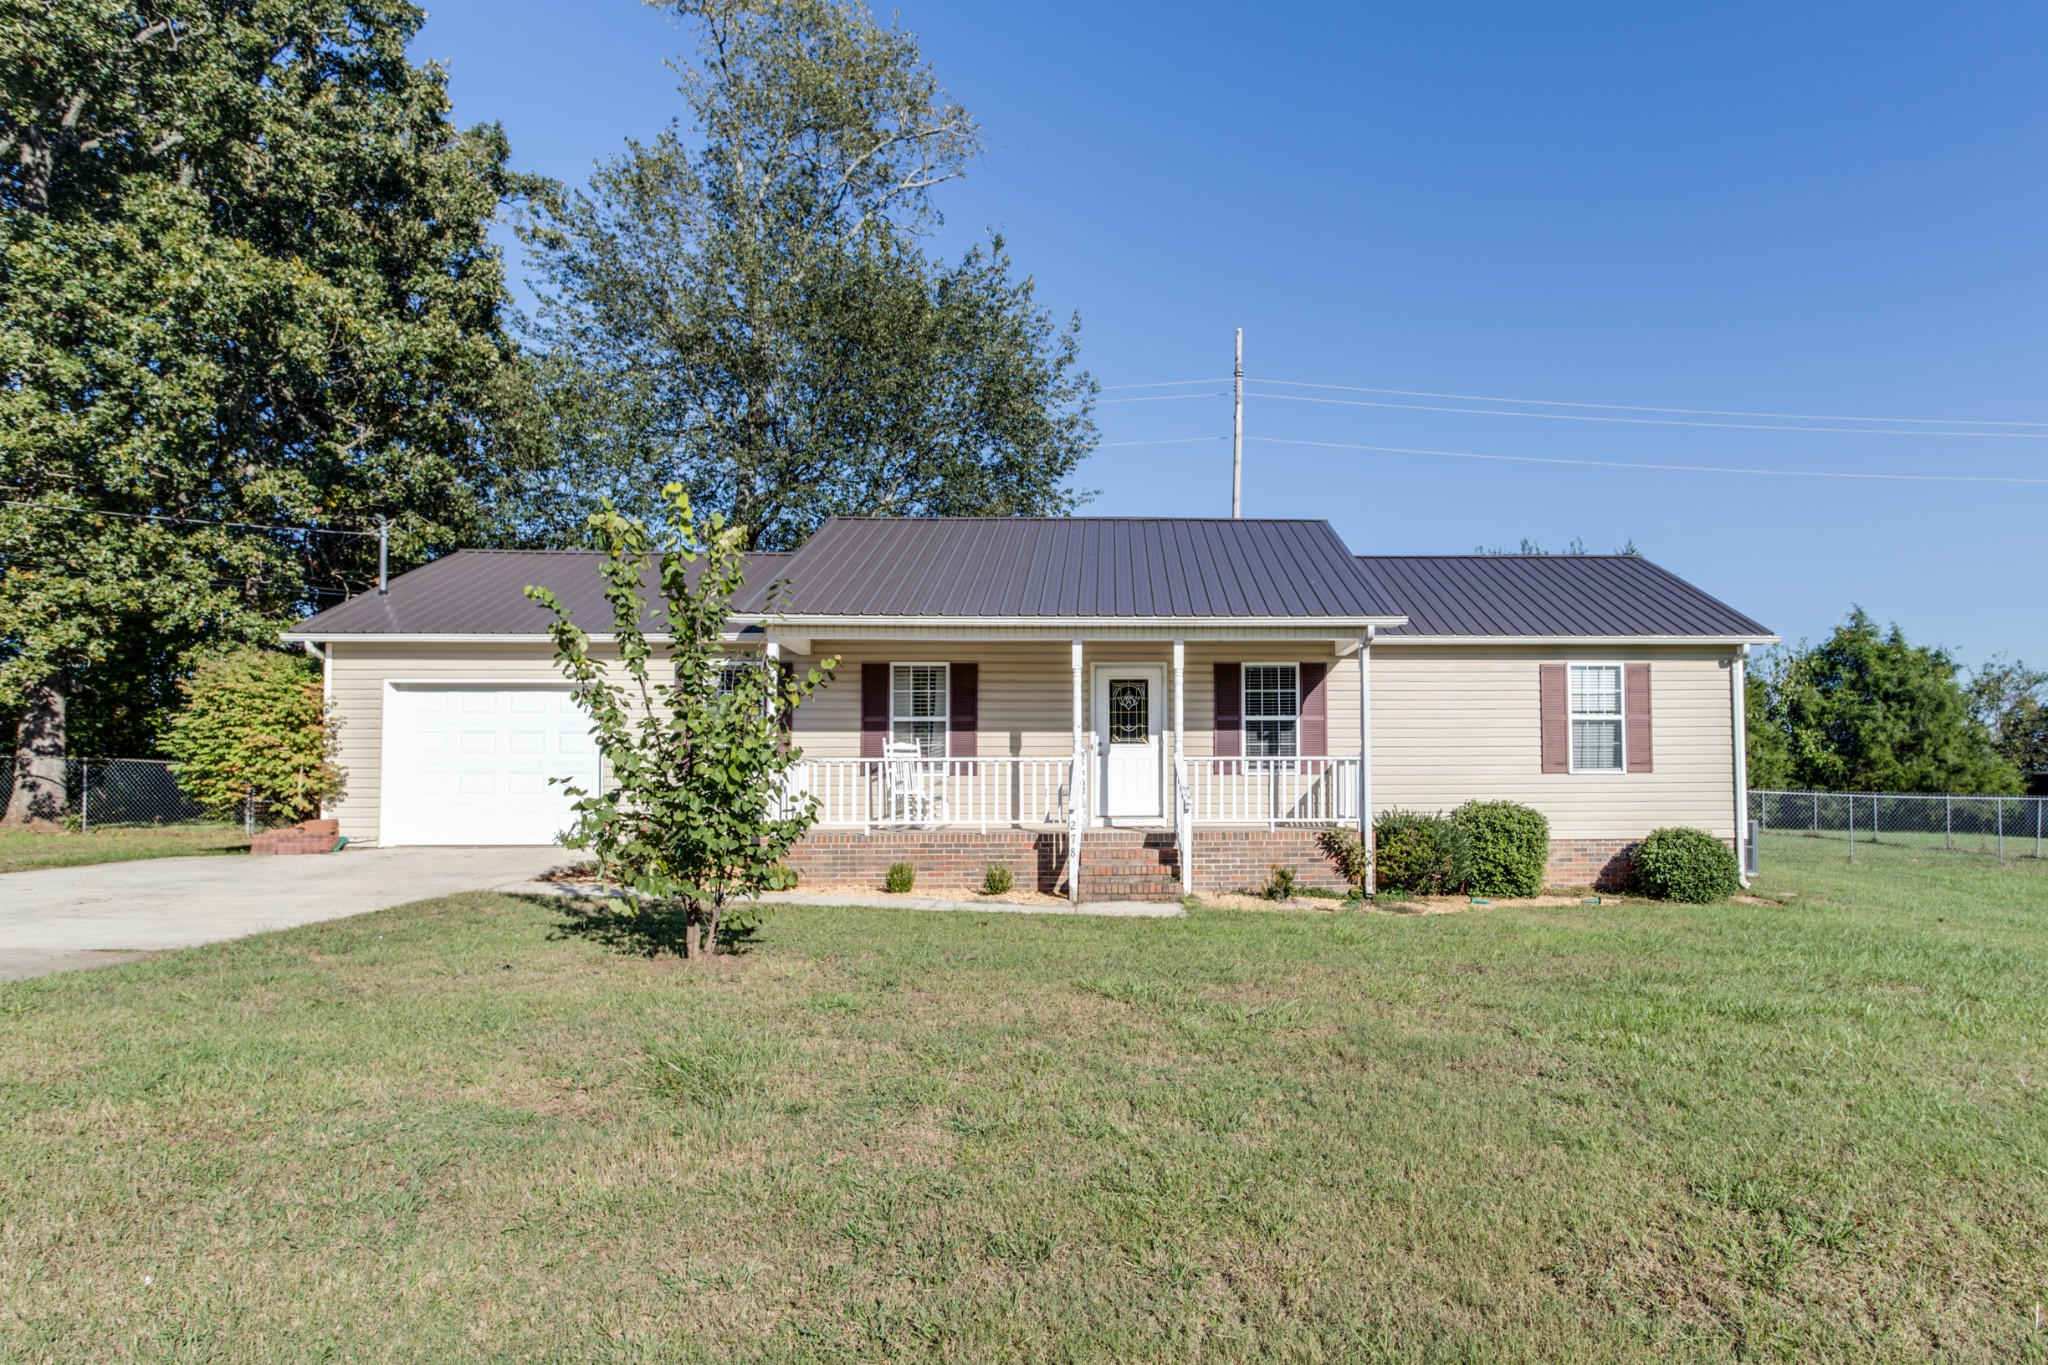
point(2000, 826)
point(109, 793)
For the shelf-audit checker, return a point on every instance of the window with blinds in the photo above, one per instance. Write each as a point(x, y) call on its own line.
point(1272, 711)
point(918, 707)
point(1595, 693)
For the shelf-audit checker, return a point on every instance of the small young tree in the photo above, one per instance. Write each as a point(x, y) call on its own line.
point(254, 723)
point(695, 814)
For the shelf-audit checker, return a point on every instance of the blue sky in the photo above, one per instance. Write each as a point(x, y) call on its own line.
point(1836, 210)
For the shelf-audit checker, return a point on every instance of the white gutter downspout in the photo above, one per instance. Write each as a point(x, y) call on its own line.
point(1365, 762)
point(326, 699)
point(1738, 699)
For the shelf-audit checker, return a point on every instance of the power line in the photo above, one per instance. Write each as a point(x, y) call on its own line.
point(1170, 441)
point(1631, 407)
point(1167, 384)
point(1636, 421)
point(1165, 397)
point(1663, 468)
point(187, 521)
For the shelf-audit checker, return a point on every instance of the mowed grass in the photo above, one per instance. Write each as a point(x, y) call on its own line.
point(455, 1131)
point(21, 850)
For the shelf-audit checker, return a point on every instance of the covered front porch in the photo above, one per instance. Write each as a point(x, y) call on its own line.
point(1072, 748)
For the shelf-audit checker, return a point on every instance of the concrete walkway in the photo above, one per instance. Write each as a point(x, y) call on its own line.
point(61, 918)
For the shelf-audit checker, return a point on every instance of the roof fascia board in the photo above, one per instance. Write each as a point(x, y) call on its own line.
point(465, 638)
point(822, 625)
point(1575, 640)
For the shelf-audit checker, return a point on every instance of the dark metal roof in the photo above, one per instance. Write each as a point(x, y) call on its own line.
point(1592, 595)
point(483, 592)
point(1080, 567)
point(1083, 567)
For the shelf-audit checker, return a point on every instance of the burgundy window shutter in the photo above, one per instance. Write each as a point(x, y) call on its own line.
point(874, 709)
point(964, 709)
point(1315, 710)
point(1229, 724)
point(1557, 718)
point(1635, 704)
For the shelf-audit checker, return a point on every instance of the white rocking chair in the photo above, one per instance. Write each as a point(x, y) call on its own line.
point(914, 787)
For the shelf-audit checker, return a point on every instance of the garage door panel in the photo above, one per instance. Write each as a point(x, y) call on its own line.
point(472, 764)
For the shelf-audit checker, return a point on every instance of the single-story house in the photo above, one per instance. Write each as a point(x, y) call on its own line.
point(1112, 706)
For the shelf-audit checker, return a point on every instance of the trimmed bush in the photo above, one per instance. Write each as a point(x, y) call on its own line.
point(1346, 852)
point(997, 880)
point(1279, 884)
point(1681, 864)
point(1425, 854)
point(1510, 847)
point(902, 876)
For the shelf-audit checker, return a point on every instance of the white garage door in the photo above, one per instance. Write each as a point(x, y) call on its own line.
point(470, 764)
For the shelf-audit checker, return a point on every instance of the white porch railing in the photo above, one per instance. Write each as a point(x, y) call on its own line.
point(1271, 791)
point(994, 793)
point(985, 793)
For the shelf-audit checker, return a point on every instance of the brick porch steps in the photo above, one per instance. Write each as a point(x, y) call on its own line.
point(1129, 865)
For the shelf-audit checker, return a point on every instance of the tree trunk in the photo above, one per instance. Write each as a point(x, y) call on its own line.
point(39, 758)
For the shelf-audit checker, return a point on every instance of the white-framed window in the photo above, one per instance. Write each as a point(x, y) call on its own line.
point(1598, 735)
point(920, 700)
point(1272, 710)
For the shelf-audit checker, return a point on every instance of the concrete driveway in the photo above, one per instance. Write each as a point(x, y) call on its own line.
point(60, 918)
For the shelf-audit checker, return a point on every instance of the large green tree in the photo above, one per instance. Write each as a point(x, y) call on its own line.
point(244, 278)
point(745, 307)
point(2012, 701)
point(1868, 710)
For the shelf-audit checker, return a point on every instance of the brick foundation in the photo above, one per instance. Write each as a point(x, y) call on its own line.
point(1599, 863)
point(1116, 864)
point(308, 836)
point(946, 860)
point(1242, 859)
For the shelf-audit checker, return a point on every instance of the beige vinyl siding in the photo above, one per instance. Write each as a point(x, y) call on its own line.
point(1451, 723)
point(1026, 689)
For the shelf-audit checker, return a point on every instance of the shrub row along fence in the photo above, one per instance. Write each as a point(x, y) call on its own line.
point(105, 793)
point(2004, 826)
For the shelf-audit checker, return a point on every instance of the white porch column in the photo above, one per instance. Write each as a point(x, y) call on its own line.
point(1180, 666)
point(1186, 832)
point(1738, 700)
point(1078, 795)
point(1077, 694)
point(1365, 760)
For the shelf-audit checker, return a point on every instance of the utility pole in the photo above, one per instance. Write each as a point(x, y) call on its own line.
point(1237, 432)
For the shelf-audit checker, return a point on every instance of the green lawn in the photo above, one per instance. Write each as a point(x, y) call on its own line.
point(460, 1131)
point(21, 850)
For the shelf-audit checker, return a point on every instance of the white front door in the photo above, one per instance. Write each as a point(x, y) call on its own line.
point(472, 763)
point(1129, 702)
